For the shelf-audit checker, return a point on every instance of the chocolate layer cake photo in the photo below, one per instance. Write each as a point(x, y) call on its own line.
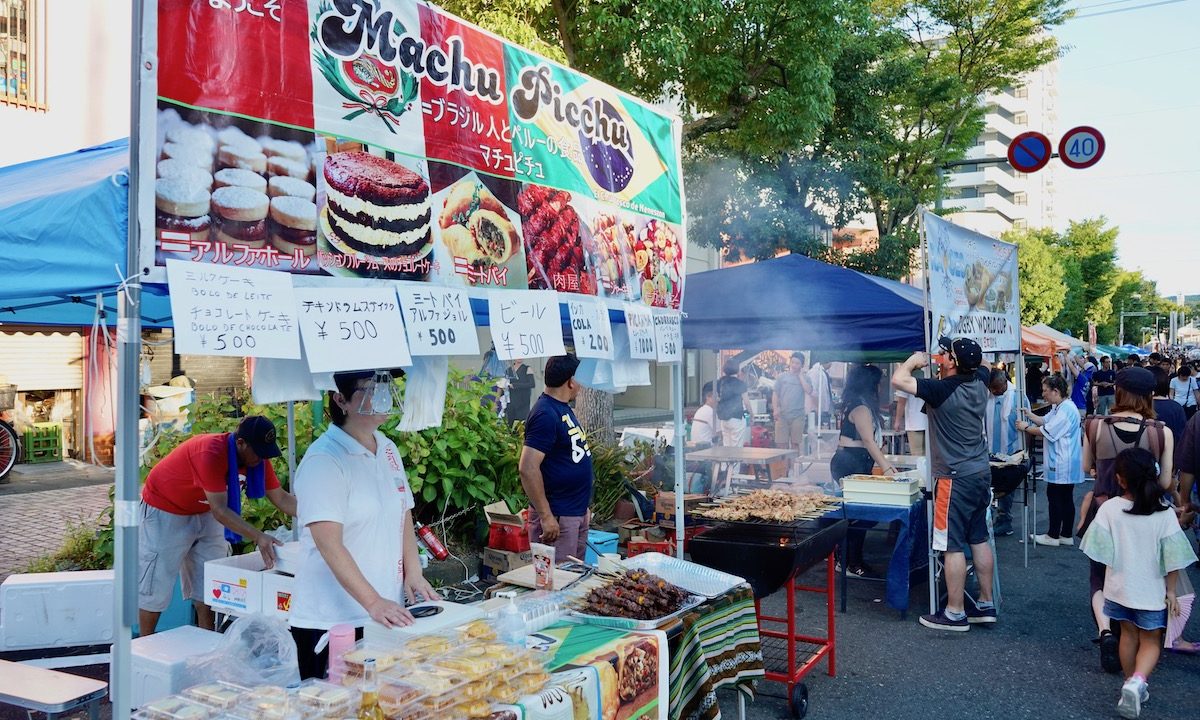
point(375, 206)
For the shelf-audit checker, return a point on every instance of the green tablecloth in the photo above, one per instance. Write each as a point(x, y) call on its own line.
point(718, 646)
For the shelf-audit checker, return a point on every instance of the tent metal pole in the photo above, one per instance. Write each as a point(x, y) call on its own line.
point(677, 406)
point(929, 341)
point(291, 458)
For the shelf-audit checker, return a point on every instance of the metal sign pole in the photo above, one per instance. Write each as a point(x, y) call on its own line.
point(680, 486)
point(933, 593)
point(291, 458)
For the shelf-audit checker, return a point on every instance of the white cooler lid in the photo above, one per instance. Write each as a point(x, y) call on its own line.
point(452, 615)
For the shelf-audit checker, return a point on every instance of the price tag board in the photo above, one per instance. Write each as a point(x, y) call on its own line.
point(525, 323)
point(668, 336)
point(591, 329)
point(438, 320)
point(640, 323)
point(351, 329)
point(234, 311)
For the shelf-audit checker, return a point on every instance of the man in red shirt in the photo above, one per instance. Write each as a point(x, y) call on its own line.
point(186, 507)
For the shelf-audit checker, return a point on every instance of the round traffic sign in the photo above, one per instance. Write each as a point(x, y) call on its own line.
point(1029, 152)
point(1081, 147)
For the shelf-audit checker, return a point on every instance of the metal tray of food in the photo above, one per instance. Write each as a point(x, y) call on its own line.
point(632, 624)
point(690, 576)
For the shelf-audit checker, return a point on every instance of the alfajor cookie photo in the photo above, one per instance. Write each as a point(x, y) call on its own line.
point(217, 178)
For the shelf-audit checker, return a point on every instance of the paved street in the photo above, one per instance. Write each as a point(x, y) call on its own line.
point(35, 523)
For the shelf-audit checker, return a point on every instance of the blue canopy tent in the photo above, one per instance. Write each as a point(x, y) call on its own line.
point(63, 237)
point(797, 302)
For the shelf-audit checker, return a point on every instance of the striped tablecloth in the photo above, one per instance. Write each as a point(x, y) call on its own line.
point(717, 646)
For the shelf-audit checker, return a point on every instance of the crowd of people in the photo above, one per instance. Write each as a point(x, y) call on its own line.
point(1127, 425)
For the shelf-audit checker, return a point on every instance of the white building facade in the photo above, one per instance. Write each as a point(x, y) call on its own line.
point(994, 198)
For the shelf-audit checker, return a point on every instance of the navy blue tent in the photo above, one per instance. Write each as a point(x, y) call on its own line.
point(795, 302)
point(63, 233)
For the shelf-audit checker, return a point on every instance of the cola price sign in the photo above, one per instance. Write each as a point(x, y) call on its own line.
point(591, 329)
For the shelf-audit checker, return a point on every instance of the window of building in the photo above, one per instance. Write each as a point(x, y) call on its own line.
point(22, 53)
point(1020, 224)
point(1020, 198)
point(968, 192)
point(1021, 93)
point(1021, 118)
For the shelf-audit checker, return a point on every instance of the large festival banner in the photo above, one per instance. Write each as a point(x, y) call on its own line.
point(972, 286)
point(387, 139)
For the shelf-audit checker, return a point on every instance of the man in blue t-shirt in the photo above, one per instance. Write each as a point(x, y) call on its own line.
point(1082, 369)
point(556, 464)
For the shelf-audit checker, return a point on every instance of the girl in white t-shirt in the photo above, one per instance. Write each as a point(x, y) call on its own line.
point(1139, 540)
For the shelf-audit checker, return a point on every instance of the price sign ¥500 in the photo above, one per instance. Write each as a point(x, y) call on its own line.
point(351, 329)
point(668, 336)
point(226, 310)
point(640, 323)
point(438, 320)
point(591, 329)
point(525, 323)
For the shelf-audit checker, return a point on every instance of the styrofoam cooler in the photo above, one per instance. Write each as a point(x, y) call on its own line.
point(868, 490)
point(234, 585)
point(159, 665)
point(56, 610)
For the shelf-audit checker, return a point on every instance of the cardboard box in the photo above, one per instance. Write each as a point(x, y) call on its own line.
point(277, 594)
point(664, 502)
point(498, 514)
point(630, 528)
point(234, 585)
point(501, 561)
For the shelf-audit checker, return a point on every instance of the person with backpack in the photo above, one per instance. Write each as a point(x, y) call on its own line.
point(732, 407)
point(1130, 425)
point(1185, 391)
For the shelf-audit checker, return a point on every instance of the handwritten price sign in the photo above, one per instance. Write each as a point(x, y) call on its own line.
point(351, 329)
point(438, 320)
point(591, 329)
point(227, 310)
point(640, 323)
point(525, 323)
point(668, 336)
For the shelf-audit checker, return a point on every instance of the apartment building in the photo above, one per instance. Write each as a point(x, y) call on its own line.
point(995, 198)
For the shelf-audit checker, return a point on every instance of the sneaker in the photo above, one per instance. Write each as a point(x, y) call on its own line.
point(1130, 704)
point(866, 572)
point(1044, 540)
point(980, 615)
point(1066, 541)
point(1003, 532)
point(1110, 660)
point(941, 622)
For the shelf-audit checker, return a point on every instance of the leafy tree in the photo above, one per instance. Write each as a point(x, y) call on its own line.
point(1088, 251)
point(1040, 275)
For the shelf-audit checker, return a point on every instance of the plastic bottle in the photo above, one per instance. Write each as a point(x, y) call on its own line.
point(511, 624)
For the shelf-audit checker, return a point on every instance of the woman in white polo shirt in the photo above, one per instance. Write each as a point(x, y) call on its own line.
point(355, 506)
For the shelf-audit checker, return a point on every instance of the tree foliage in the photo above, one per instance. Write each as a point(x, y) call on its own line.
point(1040, 272)
point(1088, 252)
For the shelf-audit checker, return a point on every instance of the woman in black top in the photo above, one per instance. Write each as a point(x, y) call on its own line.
point(520, 389)
point(859, 449)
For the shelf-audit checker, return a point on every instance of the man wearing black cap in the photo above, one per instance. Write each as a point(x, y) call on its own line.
point(186, 506)
point(556, 464)
point(956, 407)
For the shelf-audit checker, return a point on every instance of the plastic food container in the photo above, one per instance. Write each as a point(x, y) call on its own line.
point(175, 707)
point(385, 657)
point(436, 682)
point(220, 695)
point(477, 630)
point(396, 694)
point(321, 699)
point(473, 708)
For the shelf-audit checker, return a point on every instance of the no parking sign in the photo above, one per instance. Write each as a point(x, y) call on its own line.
point(1029, 152)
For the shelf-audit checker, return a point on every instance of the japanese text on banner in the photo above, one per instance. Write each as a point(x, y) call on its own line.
point(525, 324)
point(223, 310)
point(438, 320)
point(351, 329)
point(591, 329)
point(640, 324)
point(667, 336)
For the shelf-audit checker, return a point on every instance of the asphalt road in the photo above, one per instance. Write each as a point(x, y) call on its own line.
point(1037, 662)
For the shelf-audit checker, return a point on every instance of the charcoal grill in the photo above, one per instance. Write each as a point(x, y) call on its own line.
point(771, 555)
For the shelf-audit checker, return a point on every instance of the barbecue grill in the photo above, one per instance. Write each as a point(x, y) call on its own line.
point(770, 555)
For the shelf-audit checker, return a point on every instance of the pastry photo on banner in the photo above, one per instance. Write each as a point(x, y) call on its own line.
point(374, 213)
point(233, 191)
point(476, 229)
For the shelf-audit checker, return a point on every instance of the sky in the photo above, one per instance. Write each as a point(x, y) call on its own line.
point(1135, 76)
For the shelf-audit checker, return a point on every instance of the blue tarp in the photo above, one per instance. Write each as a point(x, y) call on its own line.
point(795, 302)
point(63, 234)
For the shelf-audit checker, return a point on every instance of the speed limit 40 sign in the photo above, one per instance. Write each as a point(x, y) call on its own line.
point(1081, 147)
